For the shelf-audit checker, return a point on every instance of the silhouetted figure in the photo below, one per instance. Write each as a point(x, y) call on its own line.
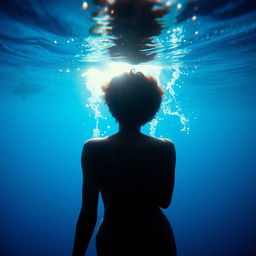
point(134, 174)
point(131, 25)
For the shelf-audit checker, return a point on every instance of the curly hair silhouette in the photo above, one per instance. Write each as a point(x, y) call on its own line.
point(133, 98)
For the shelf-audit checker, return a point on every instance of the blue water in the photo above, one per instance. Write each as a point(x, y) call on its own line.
point(210, 61)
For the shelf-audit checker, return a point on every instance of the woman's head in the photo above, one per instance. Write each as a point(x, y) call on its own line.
point(132, 98)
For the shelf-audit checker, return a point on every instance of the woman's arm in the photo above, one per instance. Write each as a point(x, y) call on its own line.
point(90, 194)
point(168, 178)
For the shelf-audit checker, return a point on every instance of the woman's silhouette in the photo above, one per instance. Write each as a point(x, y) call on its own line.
point(134, 174)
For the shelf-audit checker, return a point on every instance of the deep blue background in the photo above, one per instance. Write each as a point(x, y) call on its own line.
point(213, 210)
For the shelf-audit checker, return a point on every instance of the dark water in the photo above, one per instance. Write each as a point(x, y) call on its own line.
point(51, 68)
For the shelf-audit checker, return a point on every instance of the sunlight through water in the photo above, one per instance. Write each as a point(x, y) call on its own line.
point(96, 77)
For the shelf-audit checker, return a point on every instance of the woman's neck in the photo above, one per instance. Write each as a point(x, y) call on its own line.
point(131, 129)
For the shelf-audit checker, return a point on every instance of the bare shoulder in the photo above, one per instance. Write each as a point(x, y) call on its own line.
point(93, 144)
point(167, 145)
point(94, 141)
point(163, 142)
point(167, 142)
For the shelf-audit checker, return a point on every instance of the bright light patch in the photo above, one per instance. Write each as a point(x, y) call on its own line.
point(95, 78)
point(85, 6)
point(168, 4)
point(179, 6)
point(194, 18)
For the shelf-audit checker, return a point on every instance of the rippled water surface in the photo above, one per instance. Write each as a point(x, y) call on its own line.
point(53, 63)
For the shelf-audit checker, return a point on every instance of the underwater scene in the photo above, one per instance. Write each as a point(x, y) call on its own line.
point(54, 58)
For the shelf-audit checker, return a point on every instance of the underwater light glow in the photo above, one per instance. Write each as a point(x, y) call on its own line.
point(179, 6)
point(194, 18)
point(85, 6)
point(96, 77)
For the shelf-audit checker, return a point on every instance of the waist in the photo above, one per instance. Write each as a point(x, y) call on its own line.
point(131, 214)
point(147, 222)
point(136, 209)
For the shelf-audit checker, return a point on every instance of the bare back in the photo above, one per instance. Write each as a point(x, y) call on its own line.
point(135, 173)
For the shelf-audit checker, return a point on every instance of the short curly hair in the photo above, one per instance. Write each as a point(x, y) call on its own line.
point(132, 98)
